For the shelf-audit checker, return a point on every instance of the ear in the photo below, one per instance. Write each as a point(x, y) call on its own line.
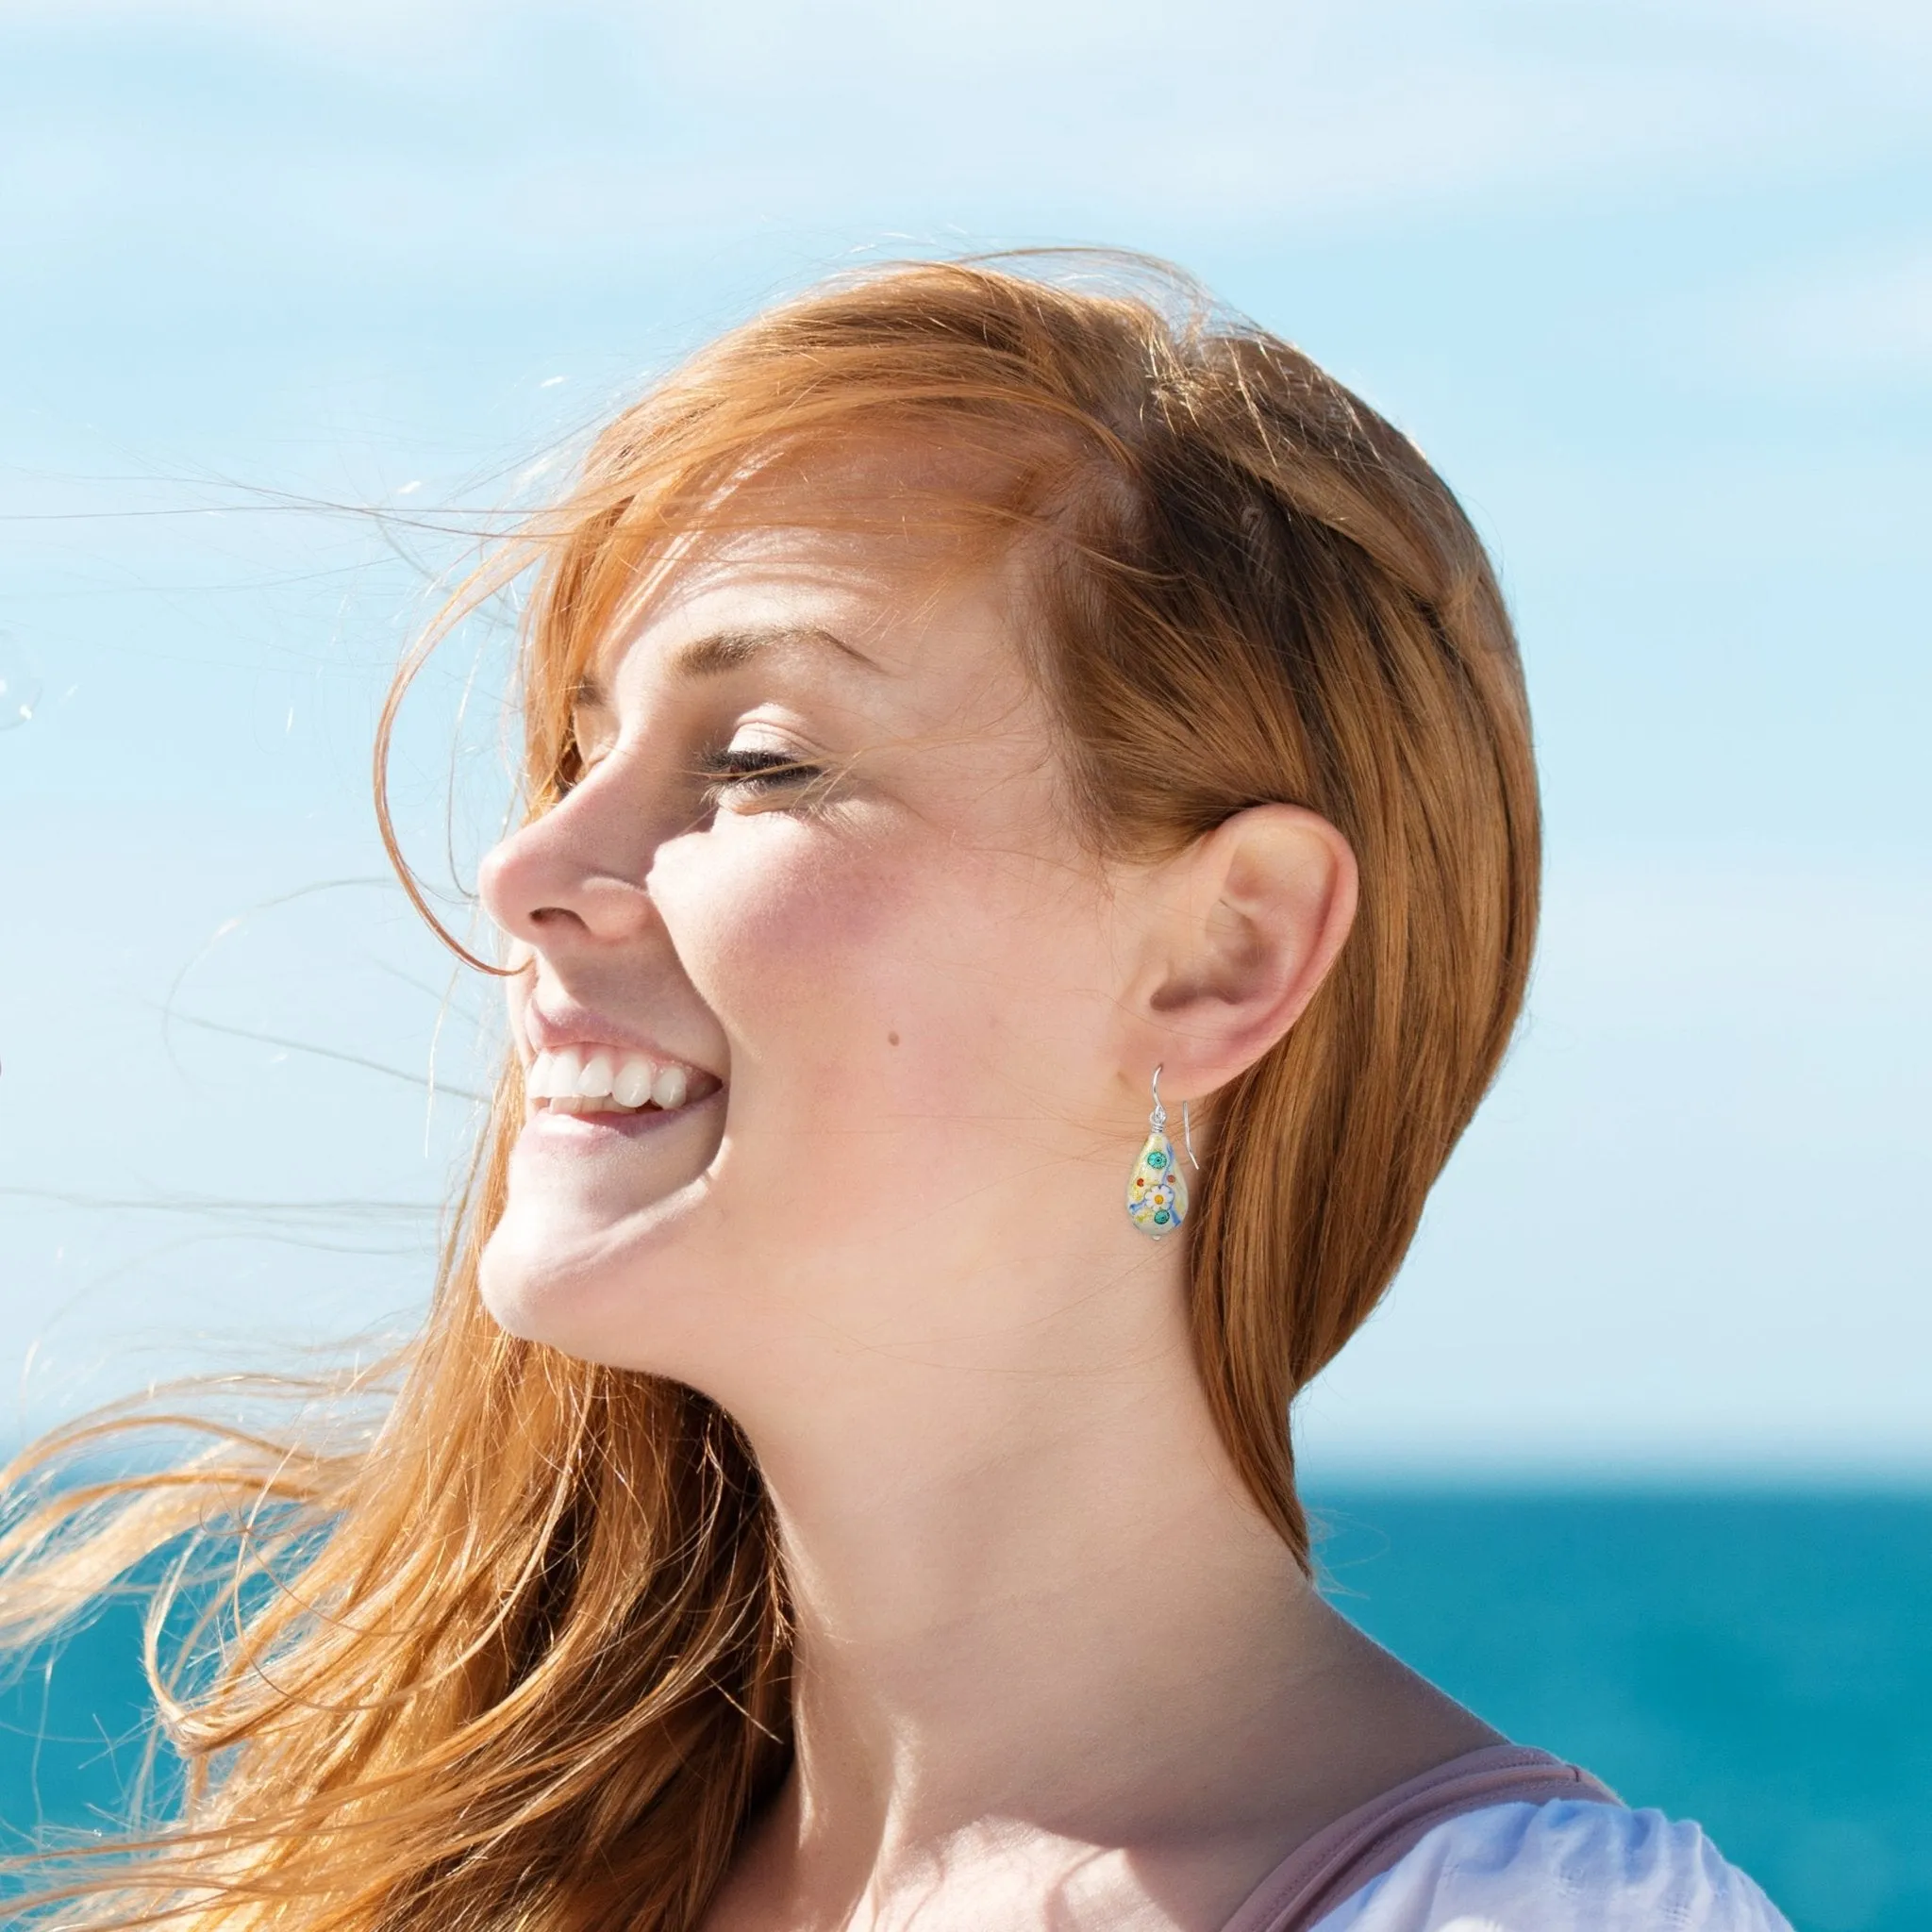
point(1239, 931)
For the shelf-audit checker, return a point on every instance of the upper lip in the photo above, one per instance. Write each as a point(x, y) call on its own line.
point(564, 1023)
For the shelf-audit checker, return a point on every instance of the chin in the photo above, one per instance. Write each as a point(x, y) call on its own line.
point(612, 1290)
point(597, 1230)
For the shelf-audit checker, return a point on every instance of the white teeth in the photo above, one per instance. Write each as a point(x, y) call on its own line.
point(597, 1081)
point(632, 1086)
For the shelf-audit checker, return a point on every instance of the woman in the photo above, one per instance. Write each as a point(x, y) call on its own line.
point(974, 726)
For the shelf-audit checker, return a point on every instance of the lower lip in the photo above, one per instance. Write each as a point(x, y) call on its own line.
point(590, 1129)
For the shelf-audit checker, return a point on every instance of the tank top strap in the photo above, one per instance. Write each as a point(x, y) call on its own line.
point(1342, 1857)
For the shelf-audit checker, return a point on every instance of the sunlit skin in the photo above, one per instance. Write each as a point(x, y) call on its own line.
point(1053, 1668)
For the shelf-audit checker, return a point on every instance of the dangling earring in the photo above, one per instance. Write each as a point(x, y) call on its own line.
point(1157, 1195)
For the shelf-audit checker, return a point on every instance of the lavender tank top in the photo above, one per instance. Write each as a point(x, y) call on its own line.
point(1342, 1857)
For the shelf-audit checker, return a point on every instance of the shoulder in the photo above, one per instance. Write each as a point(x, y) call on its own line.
point(1567, 1866)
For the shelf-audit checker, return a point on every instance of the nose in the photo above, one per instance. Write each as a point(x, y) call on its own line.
point(575, 873)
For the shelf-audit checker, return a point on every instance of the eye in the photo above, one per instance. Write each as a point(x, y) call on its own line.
point(746, 775)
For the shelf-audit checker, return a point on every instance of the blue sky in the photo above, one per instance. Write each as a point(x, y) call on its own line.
point(1652, 283)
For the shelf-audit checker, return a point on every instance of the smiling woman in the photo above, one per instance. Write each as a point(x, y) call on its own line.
point(966, 714)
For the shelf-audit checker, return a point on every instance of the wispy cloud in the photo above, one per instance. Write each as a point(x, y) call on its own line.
point(371, 136)
point(1847, 321)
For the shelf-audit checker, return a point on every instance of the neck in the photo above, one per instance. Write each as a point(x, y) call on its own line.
point(1046, 1645)
point(1022, 1592)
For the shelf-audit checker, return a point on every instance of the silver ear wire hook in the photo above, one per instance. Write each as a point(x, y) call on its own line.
point(1157, 1120)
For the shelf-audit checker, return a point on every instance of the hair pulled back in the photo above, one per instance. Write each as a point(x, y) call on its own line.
point(517, 1656)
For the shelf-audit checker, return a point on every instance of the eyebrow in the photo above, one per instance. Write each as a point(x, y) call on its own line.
point(726, 651)
point(731, 650)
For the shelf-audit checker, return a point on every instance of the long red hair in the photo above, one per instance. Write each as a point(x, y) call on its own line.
point(515, 1653)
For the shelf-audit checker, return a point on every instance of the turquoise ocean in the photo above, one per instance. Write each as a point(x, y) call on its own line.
point(1759, 1662)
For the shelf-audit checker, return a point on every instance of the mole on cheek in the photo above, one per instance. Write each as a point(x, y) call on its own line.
point(891, 1040)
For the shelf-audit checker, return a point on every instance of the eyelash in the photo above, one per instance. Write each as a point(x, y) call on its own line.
point(754, 771)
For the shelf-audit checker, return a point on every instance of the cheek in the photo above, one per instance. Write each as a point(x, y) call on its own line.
point(804, 946)
point(899, 975)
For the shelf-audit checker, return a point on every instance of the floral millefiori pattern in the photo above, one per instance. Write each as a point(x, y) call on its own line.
point(1157, 1195)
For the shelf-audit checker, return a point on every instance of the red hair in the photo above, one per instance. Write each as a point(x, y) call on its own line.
point(521, 1658)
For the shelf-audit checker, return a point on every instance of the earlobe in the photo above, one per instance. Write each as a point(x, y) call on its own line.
point(1252, 919)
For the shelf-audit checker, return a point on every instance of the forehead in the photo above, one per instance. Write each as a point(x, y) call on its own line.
point(904, 618)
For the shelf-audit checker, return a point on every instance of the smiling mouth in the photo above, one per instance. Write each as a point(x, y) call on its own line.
point(583, 1081)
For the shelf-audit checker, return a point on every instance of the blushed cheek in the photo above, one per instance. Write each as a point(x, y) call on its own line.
point(813, 959)
point(772, 929)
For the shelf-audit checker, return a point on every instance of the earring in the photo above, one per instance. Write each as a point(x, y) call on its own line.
point(1157, 1195)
